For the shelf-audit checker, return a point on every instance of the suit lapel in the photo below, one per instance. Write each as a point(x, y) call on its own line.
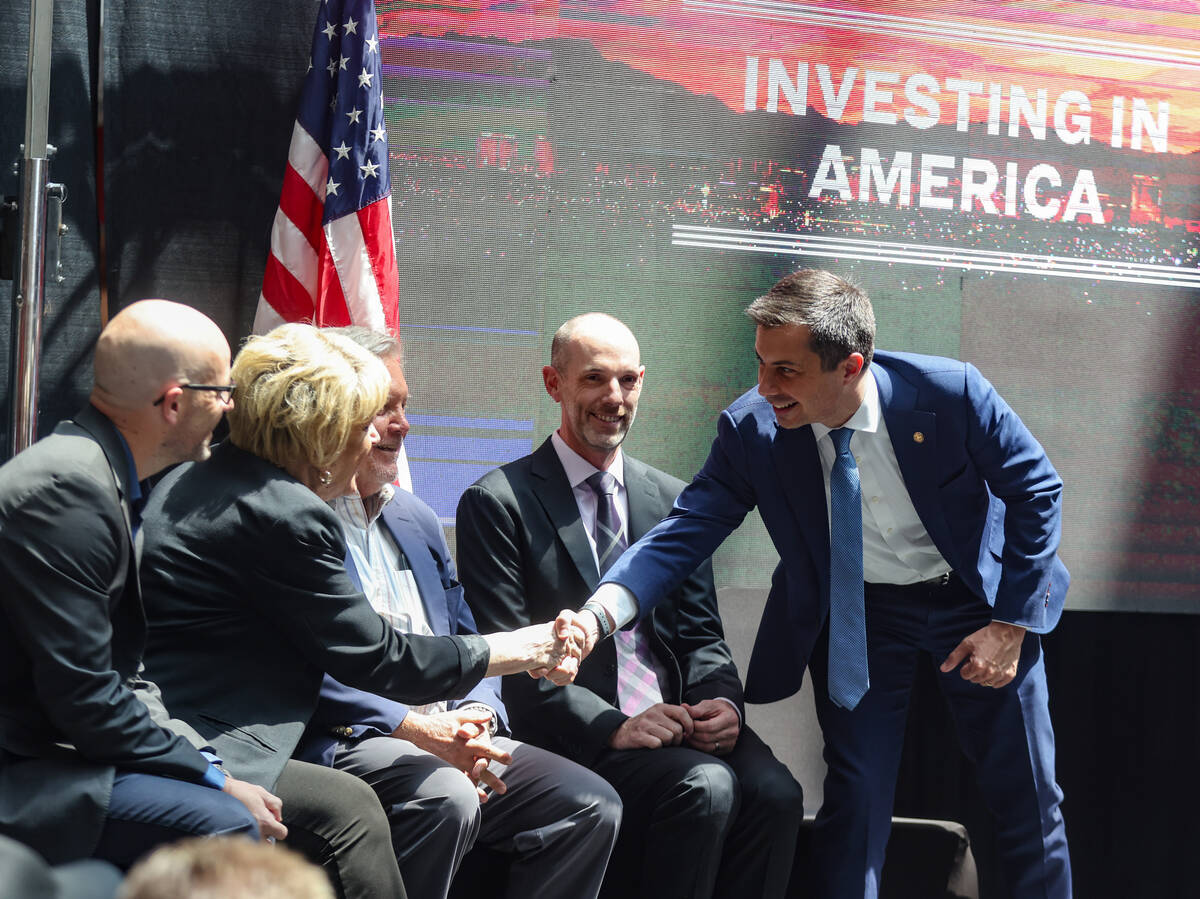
point(644, 499)
point(429, 583)
point(105, 434)
point(913, 434)
point(799, 473)
point(554, 492)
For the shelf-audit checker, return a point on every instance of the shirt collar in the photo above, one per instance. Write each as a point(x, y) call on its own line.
point(363, 513)
point(579, 469)
point(865, 418)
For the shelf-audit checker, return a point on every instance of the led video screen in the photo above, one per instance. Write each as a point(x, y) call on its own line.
point(1016, 185)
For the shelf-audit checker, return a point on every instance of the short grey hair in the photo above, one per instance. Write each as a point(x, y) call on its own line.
point(836, 311)
point(378, 343)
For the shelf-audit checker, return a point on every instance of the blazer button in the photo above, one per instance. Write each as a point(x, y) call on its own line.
point(610, 669)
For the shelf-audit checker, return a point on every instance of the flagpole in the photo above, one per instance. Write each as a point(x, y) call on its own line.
point(29, 288)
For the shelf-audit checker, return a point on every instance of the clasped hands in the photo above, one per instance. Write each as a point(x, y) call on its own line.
point(459, 737)
point(711, 725)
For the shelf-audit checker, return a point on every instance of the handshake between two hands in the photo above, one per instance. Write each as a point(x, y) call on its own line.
point(572, 637)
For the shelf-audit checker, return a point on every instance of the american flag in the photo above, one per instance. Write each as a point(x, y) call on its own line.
point(333, 260)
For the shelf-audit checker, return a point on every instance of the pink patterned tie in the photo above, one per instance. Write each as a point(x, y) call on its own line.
point(638, 686)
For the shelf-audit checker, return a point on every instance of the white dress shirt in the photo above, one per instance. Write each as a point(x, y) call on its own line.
point(578, 470)
point(896, 547)
point(383, 573)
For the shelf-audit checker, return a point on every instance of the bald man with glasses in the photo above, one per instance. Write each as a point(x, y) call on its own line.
point(87, 767)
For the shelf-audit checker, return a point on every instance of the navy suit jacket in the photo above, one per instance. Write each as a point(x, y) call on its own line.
point(982, 485)
point(415, 528)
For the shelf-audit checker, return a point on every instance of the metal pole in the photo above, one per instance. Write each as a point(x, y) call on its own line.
point(29, 288)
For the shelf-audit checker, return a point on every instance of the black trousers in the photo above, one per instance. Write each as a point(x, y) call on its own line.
point(697, 825)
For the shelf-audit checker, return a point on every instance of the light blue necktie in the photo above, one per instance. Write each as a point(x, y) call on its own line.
point(848, 676)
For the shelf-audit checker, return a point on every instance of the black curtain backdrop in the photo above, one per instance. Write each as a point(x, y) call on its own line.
point(1125, 701)
point(71, 320)
point(199, 103)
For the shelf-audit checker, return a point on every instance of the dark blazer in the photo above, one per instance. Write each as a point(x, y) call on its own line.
point(249, 605)
point(72, 705)
point(415, 528)
point(982, 485)
point(524, 555)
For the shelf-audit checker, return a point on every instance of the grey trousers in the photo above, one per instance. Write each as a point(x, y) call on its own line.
point(334, 820)
point(558, 819)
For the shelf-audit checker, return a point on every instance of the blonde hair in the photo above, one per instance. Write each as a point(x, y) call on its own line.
point(303, 394)
point(225, 868)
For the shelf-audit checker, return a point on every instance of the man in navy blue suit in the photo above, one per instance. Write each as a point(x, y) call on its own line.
point(913, 512)
point(447, 774)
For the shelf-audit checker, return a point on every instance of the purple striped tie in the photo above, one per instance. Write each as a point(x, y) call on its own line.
point(638, 686)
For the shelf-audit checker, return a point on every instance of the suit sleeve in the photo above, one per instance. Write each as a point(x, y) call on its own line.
point(571, 720)
point(708, 510)
point(1019, 473)
point(333, 625)
point(56, 599)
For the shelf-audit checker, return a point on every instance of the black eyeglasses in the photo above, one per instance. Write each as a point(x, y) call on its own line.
point(225, 391)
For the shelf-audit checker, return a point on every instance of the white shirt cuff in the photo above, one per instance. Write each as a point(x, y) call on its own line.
point(618, 601)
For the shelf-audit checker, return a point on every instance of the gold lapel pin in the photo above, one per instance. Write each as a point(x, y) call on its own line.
point(918, 437)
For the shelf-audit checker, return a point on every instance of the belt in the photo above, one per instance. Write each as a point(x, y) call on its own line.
point(934, 583)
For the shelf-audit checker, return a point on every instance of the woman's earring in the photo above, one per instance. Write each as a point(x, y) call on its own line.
point(325, 477)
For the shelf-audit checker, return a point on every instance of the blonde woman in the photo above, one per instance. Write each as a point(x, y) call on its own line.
point(249, 603)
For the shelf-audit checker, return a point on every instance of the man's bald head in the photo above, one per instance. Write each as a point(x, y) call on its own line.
point(151, 345)
point(589, 327)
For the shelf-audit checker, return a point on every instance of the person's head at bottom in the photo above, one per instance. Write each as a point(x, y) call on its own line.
point(224, 868)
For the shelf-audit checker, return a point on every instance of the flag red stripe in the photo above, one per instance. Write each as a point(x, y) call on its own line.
point(286, 295)
point(376, 223)
point(302, 206)
point(331, 300)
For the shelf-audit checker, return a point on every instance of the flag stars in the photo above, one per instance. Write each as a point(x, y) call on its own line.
point(343, 152)
point(354, 115)
point(342, 62)
point(332, 68)
point(372, 43)
point(332, 187)
point(378, 134)
point(330, 30)
point(351, 27)
point(369, 169)
point(364, 78)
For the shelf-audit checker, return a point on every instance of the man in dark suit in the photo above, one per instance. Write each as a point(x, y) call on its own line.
point(938, 534)
point(708, 808)
point(86, 767)
point(557, 819)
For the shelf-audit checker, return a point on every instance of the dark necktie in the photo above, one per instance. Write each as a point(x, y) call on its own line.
point(848, 675)
point(637, 683)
